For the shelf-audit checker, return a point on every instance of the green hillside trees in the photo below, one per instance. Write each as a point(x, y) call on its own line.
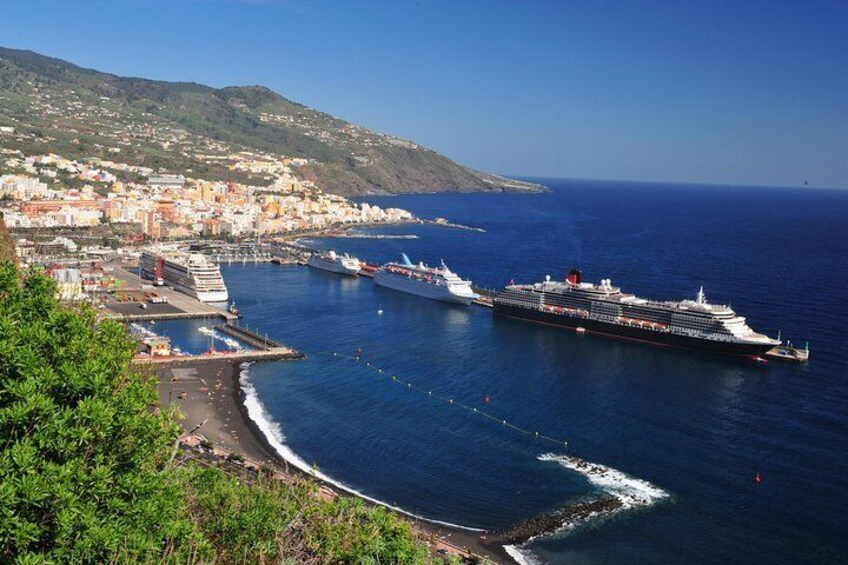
point(81, 450)
point(84, 463)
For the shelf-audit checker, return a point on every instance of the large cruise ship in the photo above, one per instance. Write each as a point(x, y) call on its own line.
point(438, 283)
point(330, 261)
point(191, 273)
point(602, 308)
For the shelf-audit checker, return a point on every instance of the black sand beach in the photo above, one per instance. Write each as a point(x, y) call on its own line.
point(207, 392)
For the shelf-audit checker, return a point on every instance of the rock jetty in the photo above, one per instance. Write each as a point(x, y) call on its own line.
point(558, 519)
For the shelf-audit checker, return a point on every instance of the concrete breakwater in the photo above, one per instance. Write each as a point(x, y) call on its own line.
point(273, 354)
point(358, 235)
point(159, 315)
point(261, 348)
point(249, 337)
point(446, 224)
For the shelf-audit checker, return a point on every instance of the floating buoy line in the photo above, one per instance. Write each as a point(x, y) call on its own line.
point(358, 358)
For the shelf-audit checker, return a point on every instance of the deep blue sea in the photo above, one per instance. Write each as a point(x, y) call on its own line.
point(695, 428)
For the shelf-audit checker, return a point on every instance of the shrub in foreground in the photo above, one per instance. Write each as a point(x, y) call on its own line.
point(81, 452)
point(84, 472)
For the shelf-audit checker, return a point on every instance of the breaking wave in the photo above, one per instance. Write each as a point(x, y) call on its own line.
point(275, 438)
point(630, 491)
point(230, 342)
point(618, 492)
point(141, 331)
point(521, 556)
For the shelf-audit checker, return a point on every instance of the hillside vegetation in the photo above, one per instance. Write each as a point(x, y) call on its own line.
point(80, 113)
point(86, 474)
point(7, 246)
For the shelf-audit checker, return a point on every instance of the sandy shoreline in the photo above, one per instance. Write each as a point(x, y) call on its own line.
point(209, 391)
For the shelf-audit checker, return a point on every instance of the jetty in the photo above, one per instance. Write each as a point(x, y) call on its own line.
point(368, 270)
point(789, 353)
point(559, 519)
point(442, 222)
point(249, 337)
point(274, 354)
point(279, 261)
point(485, 296)
point(356, 235)
point(262, 348)
point(153, 314)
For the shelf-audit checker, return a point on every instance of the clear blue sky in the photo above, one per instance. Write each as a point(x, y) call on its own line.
point(722, 92)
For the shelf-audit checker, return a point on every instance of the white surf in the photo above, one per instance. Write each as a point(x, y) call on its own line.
point(274, 435)
point(630, 491)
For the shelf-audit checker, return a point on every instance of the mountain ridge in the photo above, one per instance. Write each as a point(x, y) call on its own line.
point(97, 109)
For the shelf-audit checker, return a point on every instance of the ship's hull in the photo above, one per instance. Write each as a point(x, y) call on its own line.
point(333, 267)
point(202, 296)
point(212, 296)
point(630, 332)
point(420, 288)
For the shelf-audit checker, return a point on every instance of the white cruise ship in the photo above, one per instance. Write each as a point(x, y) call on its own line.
point(330, 261)
point(438, 283)
point(605, 309)
point(192, 274)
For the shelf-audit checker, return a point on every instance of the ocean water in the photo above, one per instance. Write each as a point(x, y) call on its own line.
point(194, 336)
point(680, 435)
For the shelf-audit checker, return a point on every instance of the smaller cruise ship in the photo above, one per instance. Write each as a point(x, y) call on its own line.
point(330, 261)
point(437, 283)
point(191, 273)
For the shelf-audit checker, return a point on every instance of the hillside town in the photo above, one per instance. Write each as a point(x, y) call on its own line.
point(51, 191)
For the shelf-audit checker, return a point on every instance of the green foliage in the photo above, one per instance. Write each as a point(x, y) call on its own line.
point(269, 522)
point(81, 451)
point(7, 247)
point(349, 531)
point(84, 474)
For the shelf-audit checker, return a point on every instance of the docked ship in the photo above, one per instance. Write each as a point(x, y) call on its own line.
point(330, 261)
point(191, 273)
point(603, 309)
point(437, 283)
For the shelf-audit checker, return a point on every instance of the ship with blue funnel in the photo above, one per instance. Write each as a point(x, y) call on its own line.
point(436, 283)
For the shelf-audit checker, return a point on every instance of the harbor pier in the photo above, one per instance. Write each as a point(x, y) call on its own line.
point(272, 354)
point(249, 337)
point(486, 296)
point(789, 353)
point(130, 304)
point(262, 348)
